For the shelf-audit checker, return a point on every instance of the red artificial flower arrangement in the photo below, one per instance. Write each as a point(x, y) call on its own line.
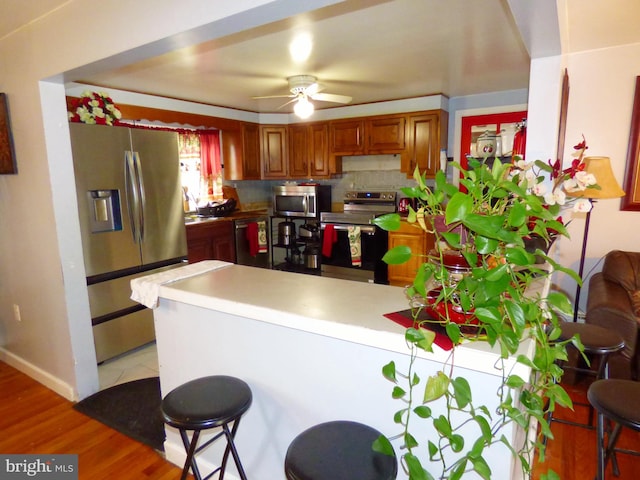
point(95, 108)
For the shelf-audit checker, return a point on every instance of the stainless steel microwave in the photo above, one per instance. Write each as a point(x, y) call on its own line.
point(304, 201)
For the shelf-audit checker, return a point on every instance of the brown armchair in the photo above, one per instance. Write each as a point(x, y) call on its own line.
point(614, 303)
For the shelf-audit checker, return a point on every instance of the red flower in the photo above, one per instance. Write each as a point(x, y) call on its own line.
point(556, 168)
point(582, 145)
point(576, 166)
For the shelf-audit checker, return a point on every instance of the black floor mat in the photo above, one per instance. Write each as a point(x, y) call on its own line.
point(131, 408)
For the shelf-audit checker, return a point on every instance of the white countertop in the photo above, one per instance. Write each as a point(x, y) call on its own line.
point(341, 309)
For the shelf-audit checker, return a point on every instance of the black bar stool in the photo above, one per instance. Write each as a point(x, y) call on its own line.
point(338, 450)
point(204, 403)
point(618, 401)
point(598, 342)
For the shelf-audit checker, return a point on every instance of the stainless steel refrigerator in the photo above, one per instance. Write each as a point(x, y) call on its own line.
point(132, 223)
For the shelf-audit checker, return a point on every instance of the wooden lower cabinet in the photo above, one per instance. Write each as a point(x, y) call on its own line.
point(420, 243)
point(212, 240)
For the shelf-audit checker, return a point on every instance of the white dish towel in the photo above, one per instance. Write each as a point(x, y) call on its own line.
point(145, 290)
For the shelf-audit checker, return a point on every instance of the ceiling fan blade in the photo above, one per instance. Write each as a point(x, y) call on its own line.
point(312, 89)
point(290, 101)
point(331, 97)
point(274, 96)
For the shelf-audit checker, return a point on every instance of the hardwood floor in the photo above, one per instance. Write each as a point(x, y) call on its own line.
point(35, 420)
point(572, 452)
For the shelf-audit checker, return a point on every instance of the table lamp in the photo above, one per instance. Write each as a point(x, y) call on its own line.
point(600, 167)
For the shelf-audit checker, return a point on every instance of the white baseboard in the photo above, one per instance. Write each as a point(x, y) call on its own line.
point(45, 378)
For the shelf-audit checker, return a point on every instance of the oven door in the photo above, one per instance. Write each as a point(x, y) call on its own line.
point(339, 264)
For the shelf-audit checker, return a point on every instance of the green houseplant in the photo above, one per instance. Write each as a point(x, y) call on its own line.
point(485, 226)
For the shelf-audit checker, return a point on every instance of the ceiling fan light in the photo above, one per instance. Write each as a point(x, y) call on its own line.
point(303, 108)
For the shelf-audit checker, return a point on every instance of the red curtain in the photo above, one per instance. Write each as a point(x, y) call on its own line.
point(209, 153)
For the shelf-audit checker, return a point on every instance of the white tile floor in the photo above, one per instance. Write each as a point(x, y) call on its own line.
point(134, 365)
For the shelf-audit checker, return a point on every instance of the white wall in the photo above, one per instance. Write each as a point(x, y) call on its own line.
point(40, 264)
point(602, 84)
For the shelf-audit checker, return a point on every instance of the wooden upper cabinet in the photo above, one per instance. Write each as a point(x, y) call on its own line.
point(299, 151)
point(241, 152)
point(426, 136)
point(309, 151)
point(274, 151)
point(347, 137)
point(385, 134)
point(321, 165)
point(251, 151)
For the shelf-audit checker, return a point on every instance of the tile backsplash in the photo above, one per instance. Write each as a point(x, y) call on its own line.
point(368, 172)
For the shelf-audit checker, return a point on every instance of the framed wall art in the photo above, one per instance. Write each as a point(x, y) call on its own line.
point(7, 155)
point(631, 201)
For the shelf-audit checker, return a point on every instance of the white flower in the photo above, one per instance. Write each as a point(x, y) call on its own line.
point(557, 196)
point(114, 111)
point(539, 189)
point(582, 205)
point(584, 179)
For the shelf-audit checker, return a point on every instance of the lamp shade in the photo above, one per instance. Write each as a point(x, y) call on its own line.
point(600, 167)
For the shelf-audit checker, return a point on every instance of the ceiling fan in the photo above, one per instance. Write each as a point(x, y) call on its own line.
point(303, 88)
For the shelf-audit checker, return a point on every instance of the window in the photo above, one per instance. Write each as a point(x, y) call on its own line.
point(200, 167)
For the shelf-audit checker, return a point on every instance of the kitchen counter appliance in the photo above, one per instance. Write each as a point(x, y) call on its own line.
point(301, 201)
point(132, 224)
point(360, 208)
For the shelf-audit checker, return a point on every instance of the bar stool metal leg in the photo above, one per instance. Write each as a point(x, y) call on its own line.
point(207, 403)
point(615, 401)
point(597, 341)
point(601, 446)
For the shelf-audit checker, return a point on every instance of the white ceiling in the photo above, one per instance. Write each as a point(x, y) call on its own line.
point(371, 50)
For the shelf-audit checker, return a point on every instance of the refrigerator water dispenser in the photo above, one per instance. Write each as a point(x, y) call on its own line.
point(104, 210)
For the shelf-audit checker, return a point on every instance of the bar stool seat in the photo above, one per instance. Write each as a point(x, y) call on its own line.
point(597, 341)
point(339, 450)
point(204, 403)
point(618, 401)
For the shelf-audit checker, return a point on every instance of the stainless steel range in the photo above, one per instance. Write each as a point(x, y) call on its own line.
point(352, 247)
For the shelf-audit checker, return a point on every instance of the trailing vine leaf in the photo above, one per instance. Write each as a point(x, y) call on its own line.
point(397, 255)
point(416, 472)
point(422, 411)
point(436, 387)
point(383, 445)
point(481, 467)
point(389, 372)
point(462, 391)
point(498, 208)
point(443, 426)
point(398, 392)
point(389, 221)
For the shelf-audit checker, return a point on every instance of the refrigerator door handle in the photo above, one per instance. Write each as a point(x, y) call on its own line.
point(132, 194)
point(141, 195)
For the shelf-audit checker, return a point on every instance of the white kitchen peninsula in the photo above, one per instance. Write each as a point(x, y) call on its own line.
point(311, 348)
